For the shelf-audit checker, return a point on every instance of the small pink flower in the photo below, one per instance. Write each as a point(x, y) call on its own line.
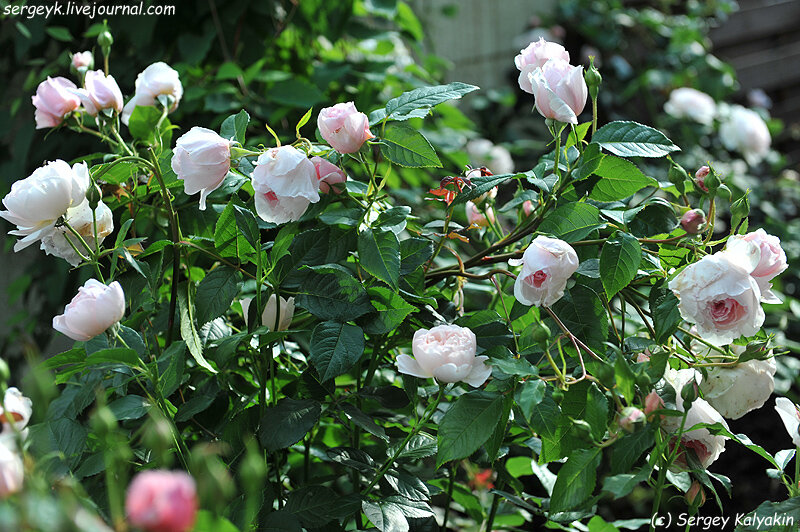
point(53, 100)
point(630, 418)
point(527, 207)
point(559, 90)
point(328, 174)
point(652, 402)
point(343, 127)
point(535, 56)
point(547, 265)
point(700, 177)
point(201, 160)
point(99, 92)
point(162, 501)
point(694, 221)
point(82, 60)
point(95, 308)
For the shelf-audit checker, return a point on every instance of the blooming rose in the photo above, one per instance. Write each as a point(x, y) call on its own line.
point(790, 416)
point(57, 241)
point(82, 59)
point(476, 217)
point(693, 221)
point(285, 182)
point(720, 297)
point(99, 92)
point(446, 353)
point(268, 316)
point(95, 308)
point(693, 104)
point(534, 56)
point(547, 264)
point(16, 408)
point(343, 127)
point(202, 160)
point(156, 80)
point(735, 391)
point(559, 90)
point(328, 174)
point(771, 259)
point(496, 158)
point(38, 201)
point(54, 99)
point(162, 501)
point(746, 132)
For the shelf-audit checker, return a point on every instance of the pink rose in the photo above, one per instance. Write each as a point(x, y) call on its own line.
point(527, 207)
point(446, 353)
point(99, 92)
point(82, 60)
point(343, 127)
point(559, 90)
point(476, 217)
point(700, 177)
point(285, 183)
point(328, 174)
point(201, 160)
point(694, 221)
point(162, 501)
point(53, 100)
point(547, 265)
point(535, 56)
point(95, 308)
point(771, 259)
point(158, 79)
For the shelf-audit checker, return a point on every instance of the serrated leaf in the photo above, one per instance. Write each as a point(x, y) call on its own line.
point(312, 505)
point(235, 126)
point(189, 331)
point(390, 311)
point(386, 517)
point(575, 481)
point(425, 98)
point(572, 222)
point(331, 293)
point(379, 254)
point(664, 308)
point(467, 424)
point(631, 139)
point(363, 421)
point(215, 293)
point(528, 396)
point(335, 348)
point(414, 252)
point(583, 313)
point(405, 146)
point(422, 445)
point(228, 239)
point(481, 185)
point(619, 179)
point(619, 262)
point(590, 160)
point(286, 423)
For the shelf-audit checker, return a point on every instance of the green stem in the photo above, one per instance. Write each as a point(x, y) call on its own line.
point(450, 483)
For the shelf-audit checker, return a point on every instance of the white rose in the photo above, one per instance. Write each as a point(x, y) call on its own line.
point(17, 408)
point(12, 469)
point(95, 308)
point(790, 416)
point(547, 264)
point(155, 80)
point(446, 353)
point(735, 391)
point(746, 132)
point(268, 316)
point(79, 218)
point(202, 160)
point(720, 297)
point(769, 256)
point(496, 158)
point(693, 104)
point(38, 201)
point(285, 183)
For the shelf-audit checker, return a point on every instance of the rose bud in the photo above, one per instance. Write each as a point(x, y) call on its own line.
point(83, 60)
point(201, 160)
point(527, 207)
point(343, 127)
point(559, 90)
point(328, 174)
point(746, 132)
point(53, 100)
point(16, 409)
point(547, 264)
point(100, 92)
point(652, 402)
point(57, 242)
point(285, 182)
point(446, 353)
point(720, 297)
point(692, 104)
point(12, 469)
point(162, 501)
point(95, 308)
point(771, 259)
point(643, 356)
point(790, 415)
point(735, 391)
point(38, 201)
point(693, 221)
point(630, 418)
point(158, 79)
point(696, 496)
point(700, 178)
point(268, 316)
point(476, 217)
point(534, 56)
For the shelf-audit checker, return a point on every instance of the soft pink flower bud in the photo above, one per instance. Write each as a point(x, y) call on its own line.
point(476, 217)
point(202, 160)
point(99, 92)
point(652, 402)
point(156, 80)
point(53, 100)
point(700, 177)
point(534, 56)
point(82, 59)
point(162, 501)
point(95, 308)
point(285, 182)
point(343, 127)
point(527, 207)
point(694, 221)
point(328, 174)
point(696, 496)
point(559, 90)
point(643, 357)
point(790, 415)
point(446, 353)
point(547, 265)
point(630, 418)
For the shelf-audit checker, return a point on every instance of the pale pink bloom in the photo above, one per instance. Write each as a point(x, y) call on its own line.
point(547, 265)
point(746, 132)
point(201, 160)
point(652, 402)
point(329, 175)
point(95, 308)
point(691, 103)
point(735, 391)
point(82, 59)
point(476, 217)
point(57, 241)
point(343, 127)
point(53, 100)
point(270, 309)
point(285, 182)
point(630, 417)
point(446, 353)
point(527, 207)
point(790, 416)
point(162, 501)
point(559, 90)
point(771, 259)
point(99, 92)
point(693, 221)
point(156, 80)
point(534, 56)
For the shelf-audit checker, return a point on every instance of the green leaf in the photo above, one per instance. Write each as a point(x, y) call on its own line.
point(235, 126)
point(414, 252)
point(208, 522)
point(619, 262)
point(467, 424)
point(425, 98)
point(330, 292)
point(59, 33)
point(405, 146)
point(286, 423)
point(391, 310)
point(228, 239)
point(481, 185)
point(772, 517)
point(631, 139)
point(576, 480)
point(379, 254)
point(129, 407)
point(420, 446)
point(664, 308)
point(296, 93)
point(619, 179)
point(362, 420)
point(583, 313)
point(528, 396)
point(114, 355)
point(386, 517)
point(657, 217)
point(142, 123)
point(590, 160)
point(626, 380)
point(621, 485)
point(115, 172)
point(313, 506)
point(572, 222)
point(629, 448)
point(215, 293)
point(303, 121)
point(189, 331)
point(335, 348)
point(247, 225)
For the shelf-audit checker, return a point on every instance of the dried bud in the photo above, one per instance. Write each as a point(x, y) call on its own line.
point(694, 221)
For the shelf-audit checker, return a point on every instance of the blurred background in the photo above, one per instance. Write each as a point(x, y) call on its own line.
point(277, 58)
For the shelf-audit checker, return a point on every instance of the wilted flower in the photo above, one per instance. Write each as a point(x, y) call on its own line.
point(446, 353)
